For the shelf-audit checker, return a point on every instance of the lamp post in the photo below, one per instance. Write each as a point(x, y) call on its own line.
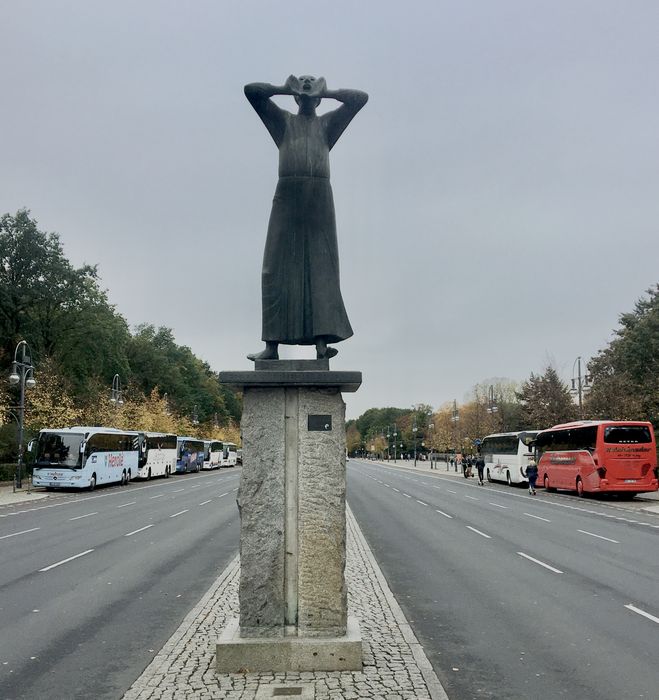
point(414, 429)
point(22, 373)
point(491, 401)
point(431, 427)
point(195, 415)
point(455, 417)
point(116, 395)
point(388, 448)
point(579, 383)
point(395, 435)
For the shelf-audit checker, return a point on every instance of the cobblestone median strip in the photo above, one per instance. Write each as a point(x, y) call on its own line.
point(395, 665)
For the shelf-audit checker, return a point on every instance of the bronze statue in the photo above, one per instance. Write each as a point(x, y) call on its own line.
point(301, 294)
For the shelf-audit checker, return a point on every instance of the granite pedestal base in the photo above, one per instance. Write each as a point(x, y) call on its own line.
point(236, 654)
point(293, 596)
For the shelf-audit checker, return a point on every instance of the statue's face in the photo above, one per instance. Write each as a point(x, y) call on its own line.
point(306, 83)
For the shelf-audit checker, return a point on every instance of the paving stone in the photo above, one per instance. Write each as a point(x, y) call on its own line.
point(185, 667)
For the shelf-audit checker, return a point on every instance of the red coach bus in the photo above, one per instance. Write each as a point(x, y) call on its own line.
point(598, 457)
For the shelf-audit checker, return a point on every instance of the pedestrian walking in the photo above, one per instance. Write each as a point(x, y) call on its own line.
point(532, 475)
point(480, 466)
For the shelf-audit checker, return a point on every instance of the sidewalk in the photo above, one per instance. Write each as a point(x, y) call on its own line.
point(8, 497)
point(395, 665)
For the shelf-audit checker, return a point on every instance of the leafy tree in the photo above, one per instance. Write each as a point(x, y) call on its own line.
point(51, 401)
point(625, 375)
point(376, 420)
point(545, 401)
point(353, 438)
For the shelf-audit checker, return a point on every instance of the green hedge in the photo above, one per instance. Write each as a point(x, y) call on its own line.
point(7, 471)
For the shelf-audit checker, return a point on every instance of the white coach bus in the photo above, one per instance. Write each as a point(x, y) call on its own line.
point(504, 456)
point(157, 455)
point(230, 456)
point(213, 453)
point(82, 457)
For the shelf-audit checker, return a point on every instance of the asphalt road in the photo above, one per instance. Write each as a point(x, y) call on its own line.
point(93, 584)
point(516, 596)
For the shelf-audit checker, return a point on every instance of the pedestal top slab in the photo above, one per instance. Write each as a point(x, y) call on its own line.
point(285, 377)
point(294, 365)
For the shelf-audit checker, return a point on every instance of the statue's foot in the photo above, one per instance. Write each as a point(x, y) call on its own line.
point(326, 354)
point(267, 354)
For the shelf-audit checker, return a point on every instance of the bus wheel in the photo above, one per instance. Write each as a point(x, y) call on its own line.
point(580, 491)
point(167, 472)
point(489, 476)
point(123, 479)
point(92, 482)
point(148, 476)
point(508, 479)
point(546, 483)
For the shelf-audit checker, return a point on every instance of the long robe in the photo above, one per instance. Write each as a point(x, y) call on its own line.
point(301, 292)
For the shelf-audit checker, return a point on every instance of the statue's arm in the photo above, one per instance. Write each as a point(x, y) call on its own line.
point(337, 120)
point(272, 116)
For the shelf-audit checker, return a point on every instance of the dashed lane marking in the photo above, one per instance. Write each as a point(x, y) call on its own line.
point(541, 563)
point(421, 502)
point(179, 513)
point(65, 561)
point(205, 502)
point(441, 512)
point(80, 517)
point(22, 532)
point(537, 517)
point(134, 532)
point(599, 537)
point(498, 505)
point(638, 611)
point(478, 532)
point(123, 505)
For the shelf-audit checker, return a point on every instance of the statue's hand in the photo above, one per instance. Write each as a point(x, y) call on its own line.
point(319, 88)
point(293, 84)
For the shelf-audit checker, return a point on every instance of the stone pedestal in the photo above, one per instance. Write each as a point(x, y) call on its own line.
point(293, 533)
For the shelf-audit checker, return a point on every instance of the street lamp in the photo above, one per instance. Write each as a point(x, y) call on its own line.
point(414, 429)
point(455, 417)
point(579, 383)
point(195, 415)
point(22, 372)
point(491, 401)
point(115, 396)
point(431, 427)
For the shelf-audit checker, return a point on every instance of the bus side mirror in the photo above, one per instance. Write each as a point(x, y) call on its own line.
point(30, 446)
point(527, 439)
point(83, 446)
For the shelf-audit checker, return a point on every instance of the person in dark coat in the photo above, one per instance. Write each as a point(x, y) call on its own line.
point(532, 475)
point(301, 294)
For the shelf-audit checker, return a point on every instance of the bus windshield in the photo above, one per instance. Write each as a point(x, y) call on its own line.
point(627, 434)
point(58, 449)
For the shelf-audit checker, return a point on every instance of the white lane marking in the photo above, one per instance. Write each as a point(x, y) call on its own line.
point(478, 532)
point(407, 495)
point(449, 490)
point(395, 489)
point(123, 505)
point(421, 502)
point(223, 494)
point(177, 490)
point(537, 517)
point(195, 486)
point(204, 503)
point(599, 537)
point(436, 487)
point(179, 513)
point(387, 485)
point(542, 563)
point(638, 611)
point(79, 517)
point(22, 532)
point(134, 532)
point(441, 512)
point(160, 495)
point(473, 498)
point(64, 561)
point(235, 489)
point(498, 505)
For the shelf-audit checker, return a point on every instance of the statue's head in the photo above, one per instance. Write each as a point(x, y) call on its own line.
point(307, 86)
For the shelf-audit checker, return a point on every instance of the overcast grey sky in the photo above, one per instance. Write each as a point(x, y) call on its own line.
point(497, 199)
